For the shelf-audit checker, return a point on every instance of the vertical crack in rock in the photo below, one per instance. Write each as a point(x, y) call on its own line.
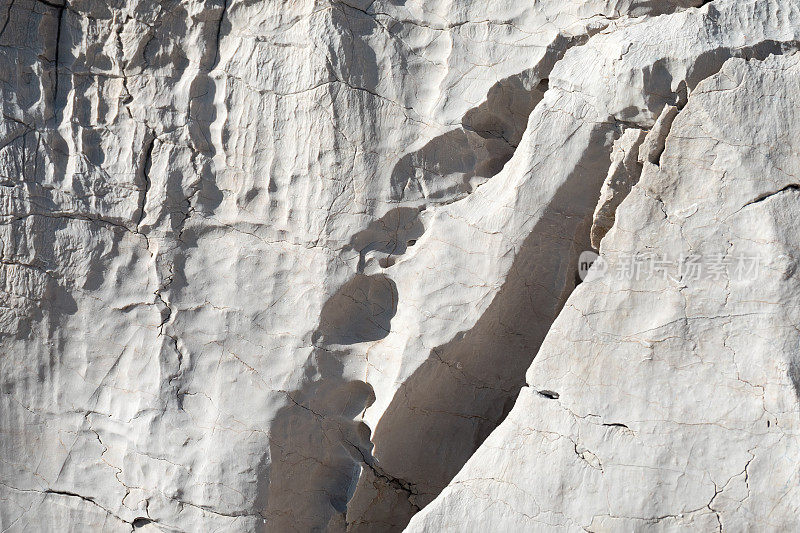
point(57, 59)
point(218, 36)
point(622, 176)
point(654, 143)
point(147, 162)
point(631, 151)
point(377, 472)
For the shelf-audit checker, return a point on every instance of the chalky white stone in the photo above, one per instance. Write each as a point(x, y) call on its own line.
point(283, 266)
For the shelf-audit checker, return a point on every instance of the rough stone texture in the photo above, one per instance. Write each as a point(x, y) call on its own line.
point(669, 404)
point(654, 143)
point(282, 266)
point(624, 172)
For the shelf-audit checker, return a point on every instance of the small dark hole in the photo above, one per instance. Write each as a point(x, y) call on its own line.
point(412, 242)
point(141, 522)
point(549, 394)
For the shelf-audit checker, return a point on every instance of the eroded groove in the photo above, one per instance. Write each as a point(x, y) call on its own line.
point(218, 33)
point(146, 165)
point(57, 59)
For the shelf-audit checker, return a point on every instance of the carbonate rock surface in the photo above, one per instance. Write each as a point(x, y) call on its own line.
point(312, 265)
point(669, 403)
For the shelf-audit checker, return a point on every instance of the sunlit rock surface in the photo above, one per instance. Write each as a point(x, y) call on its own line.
point(309, 265)
point(669, 402)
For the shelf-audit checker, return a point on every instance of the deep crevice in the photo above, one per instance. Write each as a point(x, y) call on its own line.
point(218, 35)
point(57, 59)
point(146, 165)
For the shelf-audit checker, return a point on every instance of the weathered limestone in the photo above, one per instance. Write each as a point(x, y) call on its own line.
point(674, 402)
point(283, 266)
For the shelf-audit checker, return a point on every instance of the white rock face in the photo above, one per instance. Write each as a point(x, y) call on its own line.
point(669, 403)
point(283, 266)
